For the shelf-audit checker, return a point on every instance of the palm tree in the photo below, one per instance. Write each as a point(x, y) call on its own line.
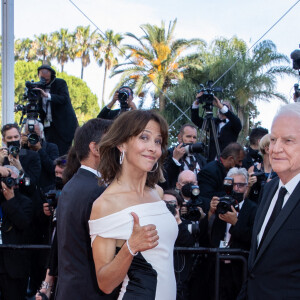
point(24, 50)
point(106, 49)
point(156, 59)
point(42, 47)
point(84, 41)
point(60, 43)
point(253, 77)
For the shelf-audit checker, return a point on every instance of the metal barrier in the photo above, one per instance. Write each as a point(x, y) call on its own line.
point(219, 253)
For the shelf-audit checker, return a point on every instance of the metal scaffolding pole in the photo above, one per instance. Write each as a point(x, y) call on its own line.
point(7, 61)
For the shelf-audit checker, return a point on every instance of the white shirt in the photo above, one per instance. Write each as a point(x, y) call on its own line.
point(290, 186)
point(91, 170)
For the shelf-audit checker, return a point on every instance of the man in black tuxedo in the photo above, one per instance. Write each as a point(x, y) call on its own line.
point(211, 177)
point(76, 270)
point(179, 160)
point(15, 221)
point(56, 111)
point(228, 125)
point(274, 259)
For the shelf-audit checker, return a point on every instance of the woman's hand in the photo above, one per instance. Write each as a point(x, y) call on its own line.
point(142, 237)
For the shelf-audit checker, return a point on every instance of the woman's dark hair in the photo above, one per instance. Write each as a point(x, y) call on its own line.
point(178, 197)
point(127, 125)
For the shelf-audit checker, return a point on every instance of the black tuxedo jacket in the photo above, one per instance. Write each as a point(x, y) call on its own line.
point(16, 225)
point(76, 270)
point(228, 134)
point(274, 272)
point(64, 120)
point(172, 170)
point(108, 114)
point(211, 178)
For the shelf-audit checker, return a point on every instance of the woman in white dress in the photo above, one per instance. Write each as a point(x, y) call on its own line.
point(130, 215)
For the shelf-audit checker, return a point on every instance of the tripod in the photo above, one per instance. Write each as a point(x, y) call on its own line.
point(208, 120)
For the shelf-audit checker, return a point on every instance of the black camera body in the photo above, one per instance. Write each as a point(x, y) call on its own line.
point(123, 96)
point(193, 148)
point(208, 95)
point(52, 198)
point(10, 181)
point(192, 191)
point(260, 175)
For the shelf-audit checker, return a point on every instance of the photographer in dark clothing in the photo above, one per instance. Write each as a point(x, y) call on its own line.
point(228, 125)
point(230, 227)
point(15, 221)
point(124, 95)
point(211, 177)
point(182, 262)
point(34, 140)
point(179, 158)
point(252, 152)
point(56, 110)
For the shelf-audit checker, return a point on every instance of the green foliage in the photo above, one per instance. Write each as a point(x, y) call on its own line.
point(83, 100)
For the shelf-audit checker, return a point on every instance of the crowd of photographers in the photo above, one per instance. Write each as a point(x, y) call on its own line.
point(213, 200)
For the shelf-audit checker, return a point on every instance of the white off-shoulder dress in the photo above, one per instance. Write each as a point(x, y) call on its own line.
point(151, 274)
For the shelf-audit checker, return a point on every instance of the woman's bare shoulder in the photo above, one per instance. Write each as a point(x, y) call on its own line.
point(160, 191)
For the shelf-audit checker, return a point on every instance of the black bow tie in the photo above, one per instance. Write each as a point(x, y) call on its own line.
point(223, 121)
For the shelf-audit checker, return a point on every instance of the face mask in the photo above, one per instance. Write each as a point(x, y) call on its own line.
point(58, 183)
point(239, 197)
point(13, 143)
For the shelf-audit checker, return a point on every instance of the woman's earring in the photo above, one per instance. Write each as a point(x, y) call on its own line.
point(122, 157)
point(154, 168)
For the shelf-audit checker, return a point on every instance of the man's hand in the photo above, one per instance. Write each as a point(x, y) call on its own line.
point(177, 216)
point(24, 139)
point(3, 154)
point(178, 152)
point(196, 102)
point(217, 103)
point(229, 217)
point(4, 172)
point(15, 161)
point(43, 93)
point(213, 206)
point(252, 180)
point(46, 209)
point(7, 193)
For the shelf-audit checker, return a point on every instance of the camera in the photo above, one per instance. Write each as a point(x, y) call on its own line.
point(193, 148)
point(208, 95)
point(260, 176)
point(227, 201)
point(123, 96)
point(192, 191)
point(10, 181)
point(33, 138)
point(13, 148)
point(52, 198)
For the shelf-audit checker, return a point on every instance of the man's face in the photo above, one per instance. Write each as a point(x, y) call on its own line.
point(189, 136)
point(170, 199)
point(239, 184)
point(238, 161)
point(46, 74)
point(11, 135)
point(185, 178)
point(285, 147)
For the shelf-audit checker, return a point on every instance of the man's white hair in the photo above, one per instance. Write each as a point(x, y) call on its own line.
point(292, 109)
point(238, 171)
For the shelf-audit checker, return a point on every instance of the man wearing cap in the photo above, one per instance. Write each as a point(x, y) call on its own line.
point(56, 111)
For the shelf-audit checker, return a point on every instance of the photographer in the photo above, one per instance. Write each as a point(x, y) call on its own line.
point(185, 156)
point(211, 177)
point(229, 223)
point(252, 152)
point(182, 262)
point(34, 140)
point(56, 111)
point(15, 221)
point(228, 125)
point(125, 96)
point(260, 173)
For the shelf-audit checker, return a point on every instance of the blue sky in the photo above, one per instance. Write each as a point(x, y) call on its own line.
point(201, 19)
